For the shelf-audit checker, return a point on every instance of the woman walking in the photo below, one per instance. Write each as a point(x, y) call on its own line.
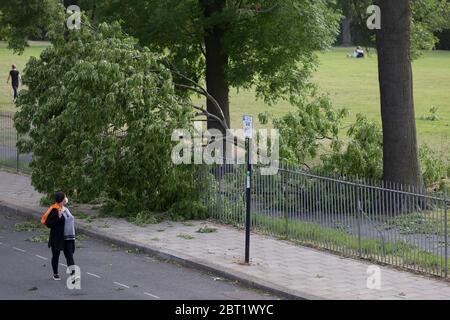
point(62, 232)
point(15, 78)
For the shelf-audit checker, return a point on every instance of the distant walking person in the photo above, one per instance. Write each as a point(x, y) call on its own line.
point(62, 232)
point(15, 78)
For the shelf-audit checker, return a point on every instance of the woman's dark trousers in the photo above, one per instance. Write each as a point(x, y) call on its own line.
point(69, 250)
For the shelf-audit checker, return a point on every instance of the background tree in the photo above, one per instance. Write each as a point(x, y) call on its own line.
point(68, 3)
point(428, 17)
point(400, 152)
point(21, 19)
point(444, 40)
point(346, 22)
point(407, 27)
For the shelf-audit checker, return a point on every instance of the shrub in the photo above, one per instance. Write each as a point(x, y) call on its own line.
point(302, 132)
point(189, 210)
point(435, 170)
point(363, 154)
point(433, 116)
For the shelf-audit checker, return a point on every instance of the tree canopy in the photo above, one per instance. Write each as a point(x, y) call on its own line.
point(267, 45)
point(98, 115)
point(427, 18)
point(21, 19)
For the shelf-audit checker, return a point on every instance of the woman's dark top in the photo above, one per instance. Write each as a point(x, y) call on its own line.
point(56, 225)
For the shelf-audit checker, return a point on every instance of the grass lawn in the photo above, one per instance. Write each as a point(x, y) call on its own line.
point(351, 83)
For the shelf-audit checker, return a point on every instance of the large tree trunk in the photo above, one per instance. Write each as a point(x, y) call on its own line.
point(346, 32)
point(400, 153)
point(216, 62)
point(70, 2)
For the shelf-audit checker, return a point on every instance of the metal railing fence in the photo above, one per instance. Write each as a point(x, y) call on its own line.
point(9, 155)
point(380, 221)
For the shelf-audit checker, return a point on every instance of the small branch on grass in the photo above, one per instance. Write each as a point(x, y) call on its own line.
point(324, 137)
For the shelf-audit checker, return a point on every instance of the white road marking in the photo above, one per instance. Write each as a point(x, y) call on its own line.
point(121, 284)
point(94, 275)
point(91, 274)
point(151, 295)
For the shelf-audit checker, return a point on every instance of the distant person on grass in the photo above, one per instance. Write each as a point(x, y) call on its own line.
point(15, 78)
point(62, 232)
point(358, 53)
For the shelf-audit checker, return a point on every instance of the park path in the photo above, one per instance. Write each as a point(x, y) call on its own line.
point(275, 264)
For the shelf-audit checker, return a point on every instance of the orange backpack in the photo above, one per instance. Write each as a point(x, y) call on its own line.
point(47, 213)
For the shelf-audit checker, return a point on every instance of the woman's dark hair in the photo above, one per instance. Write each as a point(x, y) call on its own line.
point(59, 196)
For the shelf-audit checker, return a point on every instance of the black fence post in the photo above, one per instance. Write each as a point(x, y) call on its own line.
point(446, 233)
point(358, 217)
point(17, 153)
point(286, 201)
point(248, 202)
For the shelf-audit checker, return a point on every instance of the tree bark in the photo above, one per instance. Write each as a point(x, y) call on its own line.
point(216, 62)
point(346, 32)
point(70, 2)
point(400, 152)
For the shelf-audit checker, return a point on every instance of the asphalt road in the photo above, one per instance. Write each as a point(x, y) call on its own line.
point(107, 272)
